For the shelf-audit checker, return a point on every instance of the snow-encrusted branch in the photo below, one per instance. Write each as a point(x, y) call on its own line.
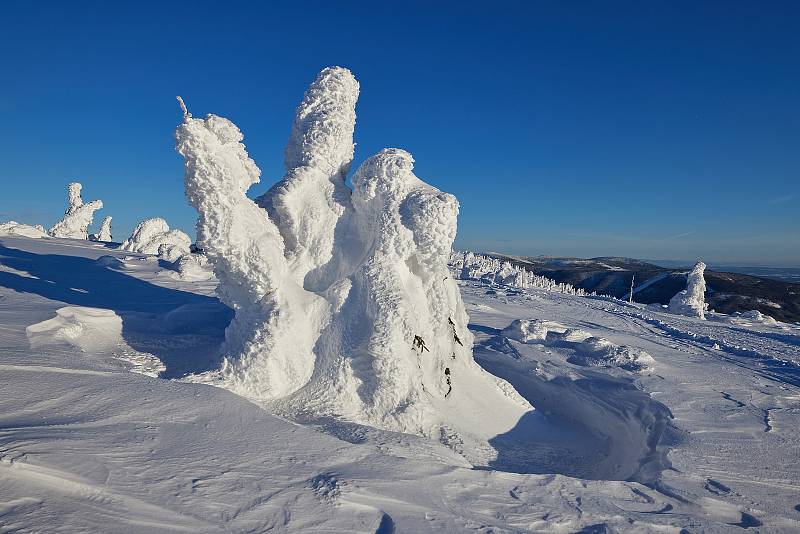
point(186, 114)
point(269, 343)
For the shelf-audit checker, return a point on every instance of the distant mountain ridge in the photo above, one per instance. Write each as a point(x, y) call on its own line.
point(727, 292)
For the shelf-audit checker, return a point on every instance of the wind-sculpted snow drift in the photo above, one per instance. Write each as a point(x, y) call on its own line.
point(153, 236)
point(344, 304)
point(78, 217)
point(691, 301)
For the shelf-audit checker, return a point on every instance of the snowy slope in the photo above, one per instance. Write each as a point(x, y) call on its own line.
point(98, 433)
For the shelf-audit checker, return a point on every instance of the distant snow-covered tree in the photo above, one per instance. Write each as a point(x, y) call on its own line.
point(105, 231)
point(472, 266)
point(691, 301)
point(78, 217)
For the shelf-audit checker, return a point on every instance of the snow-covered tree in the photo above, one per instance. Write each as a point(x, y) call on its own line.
point(153, 236)
point(105, 231)
point(343, 302)
point(78, 217)
point(471, 266)
point(691, 301)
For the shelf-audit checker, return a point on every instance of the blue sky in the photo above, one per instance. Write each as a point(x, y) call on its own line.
point(661, 130)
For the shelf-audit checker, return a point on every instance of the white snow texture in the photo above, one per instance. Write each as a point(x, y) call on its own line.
point(691, 301)
point(344, 305)
point(78, 217)
point(153, 236)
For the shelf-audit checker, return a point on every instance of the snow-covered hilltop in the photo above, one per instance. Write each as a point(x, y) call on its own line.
point(26, 230)
point(344, 303)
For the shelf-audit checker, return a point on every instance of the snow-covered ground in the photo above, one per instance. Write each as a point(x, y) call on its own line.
point(644, 421)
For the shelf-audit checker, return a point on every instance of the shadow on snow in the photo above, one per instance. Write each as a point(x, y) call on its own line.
point(184, 330)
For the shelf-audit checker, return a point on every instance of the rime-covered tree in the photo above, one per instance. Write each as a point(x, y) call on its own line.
point(691, 301)
point(78, 217)
point(343, 302)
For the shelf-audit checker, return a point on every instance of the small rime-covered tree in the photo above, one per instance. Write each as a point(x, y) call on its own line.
point(344, 304)
point(105, 231)
point(691, 301)
point(78, 216)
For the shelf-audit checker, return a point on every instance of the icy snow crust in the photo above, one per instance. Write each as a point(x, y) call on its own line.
point(691, 301)
point(78, 217)
point(344, 303)
point(153, 236)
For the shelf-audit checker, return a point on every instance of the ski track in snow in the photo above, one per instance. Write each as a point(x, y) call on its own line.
point(705, 441)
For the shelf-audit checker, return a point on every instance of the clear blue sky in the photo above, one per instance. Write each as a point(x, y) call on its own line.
point(662, 130)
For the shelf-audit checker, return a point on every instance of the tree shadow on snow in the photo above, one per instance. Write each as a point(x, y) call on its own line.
point(183, 329)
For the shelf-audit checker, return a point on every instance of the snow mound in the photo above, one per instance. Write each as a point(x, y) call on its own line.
point(587, 350)
point(758, 317)
point(472, 266)
point(343, 302)
point(599, 352)
point(92, 330)
point(78, 217)
point(89, 329)
point(691, 301)
point(191, 268)
point(110, 261)
point(153, 236)
point(105, 231)
point(524, 330)
point(25, 230)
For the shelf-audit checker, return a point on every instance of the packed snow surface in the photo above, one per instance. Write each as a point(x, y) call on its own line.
point(344, 303)
point(691, 301)
point(91, 441)
point(78, 217)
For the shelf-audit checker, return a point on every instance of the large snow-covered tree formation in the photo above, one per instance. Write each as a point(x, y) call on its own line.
point(344, 303)
point(691, 301)
point(78, 217)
